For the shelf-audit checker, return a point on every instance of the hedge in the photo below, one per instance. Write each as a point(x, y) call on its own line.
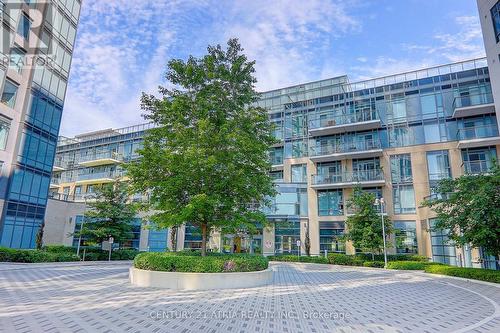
point(391, 257)
point(292, 258)
point(468, 273)
point(183, 262)
point(94, 253)
point(34, 256)
point(410, 265)
point(378, 264)
point(344, 259)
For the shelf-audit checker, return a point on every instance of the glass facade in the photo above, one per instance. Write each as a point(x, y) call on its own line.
point(405, 235)
point(403, 194)
point(495, 16)
point(330, 237)
point(158, 240)
point(330, 203)
point(478, 160)
point(192, 237)
point(299, 173)
point(443, 250)
point(286, 235)
point(438, 166)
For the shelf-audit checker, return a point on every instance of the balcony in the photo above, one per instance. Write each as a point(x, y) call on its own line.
point(276, 162)
point(477, 167)
point(478, 136)
point(364, 178)
point(98, 177)
point(473, 105)
point(100, 158)
point(335, 152)
point(282, 210)
point(58, 166)
point(334, 124)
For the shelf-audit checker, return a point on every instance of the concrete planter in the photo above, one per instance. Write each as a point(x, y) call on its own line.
point(199, 281)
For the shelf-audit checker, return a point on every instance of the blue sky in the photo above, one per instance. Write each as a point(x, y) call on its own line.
point(123, 46)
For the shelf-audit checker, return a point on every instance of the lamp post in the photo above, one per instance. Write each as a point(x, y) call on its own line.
point(380, 203)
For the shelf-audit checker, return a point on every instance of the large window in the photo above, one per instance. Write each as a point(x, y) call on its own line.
point(277, 175)
point(438, 165)
point(192, 237)
point(286, 235)
point(401, 169)
point(478, 160)
point(9, 94)
point(157, 240)
point(299, 173)
point(4, 132)
point(495, 16)
point(330, 237)
point(443, 250)
point(17, 59)
point(330, 203)
point(405, 234)
point(24, 26)
point(404, 199)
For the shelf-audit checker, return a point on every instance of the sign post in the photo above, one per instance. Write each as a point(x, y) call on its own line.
point(298, 249)
point(110, 241)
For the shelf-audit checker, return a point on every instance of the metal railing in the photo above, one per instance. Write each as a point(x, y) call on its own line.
point(477, 167)
point(349, 177)
point(100, 175)
point(331, 119)
point(472, 100)
point(101, 155)
point(336, 148)
point(477, 132)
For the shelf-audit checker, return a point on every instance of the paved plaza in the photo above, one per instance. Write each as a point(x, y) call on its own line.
point(302, 298)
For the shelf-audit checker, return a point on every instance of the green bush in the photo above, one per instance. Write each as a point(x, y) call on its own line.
point(410, 265)
point(213, 263)
point(344, 259)
point(468, 273)
point(292, 258)
point(34, 256)
point(378, 264)
point(391, 257)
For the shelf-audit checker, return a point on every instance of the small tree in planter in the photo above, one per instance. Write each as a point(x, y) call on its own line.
point(364, 227)
point(206, 161)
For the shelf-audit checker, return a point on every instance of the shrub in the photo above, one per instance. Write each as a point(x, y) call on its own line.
point(182, 262)
point(391, 257)
point(378, 264)
point(468, 273)
point(344, 259)
point(292, 258)
point(34, 256)
point(410, 265)
point(59, 249)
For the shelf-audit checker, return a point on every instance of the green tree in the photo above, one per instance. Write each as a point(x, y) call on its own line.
point(109, 213)
point(469, 207)
point(206, 161)
point(364, 227)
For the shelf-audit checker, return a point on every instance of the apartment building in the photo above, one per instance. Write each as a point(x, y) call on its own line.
point(394, 136)
point(37, 40)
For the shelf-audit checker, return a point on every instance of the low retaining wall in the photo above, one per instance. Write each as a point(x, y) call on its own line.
point(199, 281)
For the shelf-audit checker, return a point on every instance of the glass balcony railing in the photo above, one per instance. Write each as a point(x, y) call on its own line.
point(349, 177)
point(436, 196)
point(100, 175)
point(282, 209)
point(356, 146)
point(327, 120)
point(101, 156)
point(276, 160)
point(477, 167)
point(477, 132)
point(472, 100)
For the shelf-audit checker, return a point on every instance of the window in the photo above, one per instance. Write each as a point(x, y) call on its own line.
point(330, 237)
point(78, 190)
point(478, 160)
point(277, 175)
point(330, 203)
point(286, 235)
point(192, 238)
point(17, 59)
point(495, 16)
point(4, 132)
point(24, 26)
point(443, 250)
point(405, 234)
point(157, 240)
point(9, 94)
point(299, 173)
point(438, 165)
point(401, 169)
point(404, 199)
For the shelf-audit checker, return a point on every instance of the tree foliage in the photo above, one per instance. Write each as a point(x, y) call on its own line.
point(109, 213)
point(469, 207)
point(206, 160)
point(364, 227)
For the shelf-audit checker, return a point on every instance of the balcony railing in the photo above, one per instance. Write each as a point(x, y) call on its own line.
point(101, 156)
point(477, 167)
point(472, 100)
point(349, 177)
point(477, 132)
point(282, 209)
point(328, 120)
point(276, 160)
point(356, 146)
point(100, 175)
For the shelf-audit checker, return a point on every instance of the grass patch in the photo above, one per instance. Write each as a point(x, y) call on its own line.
point(212, 263)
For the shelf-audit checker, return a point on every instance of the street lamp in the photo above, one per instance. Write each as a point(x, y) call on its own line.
point(380, 202)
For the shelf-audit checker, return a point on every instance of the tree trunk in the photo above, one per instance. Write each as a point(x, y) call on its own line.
point(373, 256)
point(174, 239)
point(203, 239)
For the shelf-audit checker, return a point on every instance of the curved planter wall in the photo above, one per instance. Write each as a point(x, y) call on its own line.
point(199, 281)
